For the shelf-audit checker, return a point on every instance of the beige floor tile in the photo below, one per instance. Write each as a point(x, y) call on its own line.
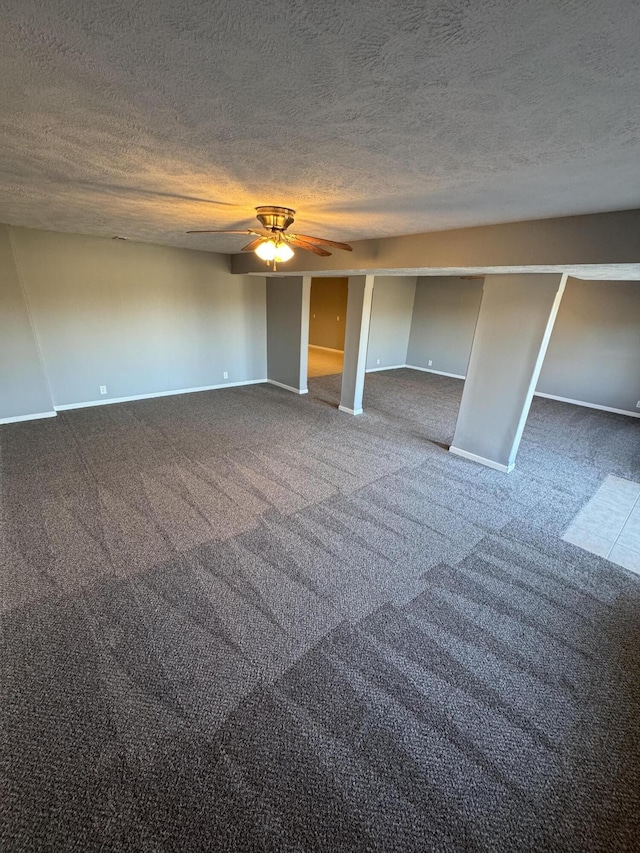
point(602, 519)
point(619, 485)
point(630, 535)
point(588, 540)
point(626, 558)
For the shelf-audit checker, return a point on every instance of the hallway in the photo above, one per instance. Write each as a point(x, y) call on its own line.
point(324, 362)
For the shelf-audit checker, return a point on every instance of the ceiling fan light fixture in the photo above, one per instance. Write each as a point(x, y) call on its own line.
point(267, 250)
point(284, 252)
point(271, 250)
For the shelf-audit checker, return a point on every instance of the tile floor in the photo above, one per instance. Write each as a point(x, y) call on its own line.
point(609, 525)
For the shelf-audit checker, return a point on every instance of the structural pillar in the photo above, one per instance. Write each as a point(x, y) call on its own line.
point(288, 332)
point(512, 333)
point(356, 340)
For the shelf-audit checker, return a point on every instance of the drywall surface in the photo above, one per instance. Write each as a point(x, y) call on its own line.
point(603, 245)
point(355, 342)
point(515, 319)
point(328, 312)
point(23, 385)
point(287, 338)
point(136, 318)
point(594, 352)
point(391, 313)
point(444, 318)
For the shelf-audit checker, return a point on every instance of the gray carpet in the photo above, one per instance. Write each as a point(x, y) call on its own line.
point(242, 620)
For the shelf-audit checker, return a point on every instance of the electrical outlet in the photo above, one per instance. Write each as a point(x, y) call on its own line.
point(638, 405)
point(377, 361)
point(225, 375)
point(430, 362)
point(103, 389)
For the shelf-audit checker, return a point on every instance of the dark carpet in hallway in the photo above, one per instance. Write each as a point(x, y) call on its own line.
point(242, 620)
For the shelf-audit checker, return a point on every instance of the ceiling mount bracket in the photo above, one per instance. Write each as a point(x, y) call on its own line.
point(275, 218)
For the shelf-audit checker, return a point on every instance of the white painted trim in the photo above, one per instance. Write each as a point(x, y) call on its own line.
point(304, 331)
point(389, 367)
point(536, 394)
point(587, 405)
point(350, 411)
point(537, 367)
point(327, 349)
point(288, 387)
point(431, 370)
point(67, 406)
point(506, 469)
point(35, 417)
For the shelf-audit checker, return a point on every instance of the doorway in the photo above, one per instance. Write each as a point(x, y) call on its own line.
point(327, 325)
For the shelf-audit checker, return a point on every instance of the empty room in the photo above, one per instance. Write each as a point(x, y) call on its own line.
point(319, 426)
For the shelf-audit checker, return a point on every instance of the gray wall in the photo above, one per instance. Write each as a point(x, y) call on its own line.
point(594, 352)
point(23, 385)
point(594, 239)
point(138, 318)
point(328, 312)
point(287, 331)
point(515, 320)
point(444, 319)
point(390, 320)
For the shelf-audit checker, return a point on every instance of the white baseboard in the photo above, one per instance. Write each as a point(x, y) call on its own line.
point(350, 411)
point(288, 387)
point(388, 367)
point(506, 469)
point(67, 406)
point(35, 417)
point(431, 370)
point(327, 349)
point(587, 405)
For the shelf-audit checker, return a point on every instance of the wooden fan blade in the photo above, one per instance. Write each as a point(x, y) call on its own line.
point(322, 242)
point(308, 247)
point(217, 231)
point(252, 245)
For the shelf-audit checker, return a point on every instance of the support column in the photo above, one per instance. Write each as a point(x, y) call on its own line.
point(356, 340)
point(512, 333)
point(288, 332)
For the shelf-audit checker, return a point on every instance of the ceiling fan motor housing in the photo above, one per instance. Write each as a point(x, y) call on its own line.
point(275, 218)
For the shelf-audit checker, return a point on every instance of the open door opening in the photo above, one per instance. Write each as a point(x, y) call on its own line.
point(327, 324)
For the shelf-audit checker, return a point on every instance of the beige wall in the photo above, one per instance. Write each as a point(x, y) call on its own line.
point(328, 312)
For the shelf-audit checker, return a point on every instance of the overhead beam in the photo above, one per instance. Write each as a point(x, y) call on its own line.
point(602, 245)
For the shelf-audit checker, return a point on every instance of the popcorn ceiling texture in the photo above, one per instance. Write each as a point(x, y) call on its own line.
point(371, 118)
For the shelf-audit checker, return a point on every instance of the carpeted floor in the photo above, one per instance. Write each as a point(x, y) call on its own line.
point(242, 620)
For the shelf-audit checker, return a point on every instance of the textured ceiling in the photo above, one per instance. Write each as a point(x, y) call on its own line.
point(144, 118)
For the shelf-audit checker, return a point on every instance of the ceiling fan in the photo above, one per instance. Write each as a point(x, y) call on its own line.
point(273, 242)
